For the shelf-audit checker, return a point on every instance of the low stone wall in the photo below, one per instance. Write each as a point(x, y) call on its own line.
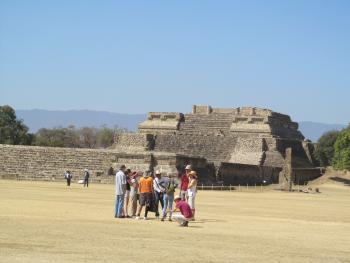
point(50, 163)
point(235, 174)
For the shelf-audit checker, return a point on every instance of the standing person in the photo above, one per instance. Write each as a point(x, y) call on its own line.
point(127, 192)
point(120, 188)
point(168, 197)
point(192, 190)
point(159, 189)
point(86, 177)
point(68, 177)
point(134, 191)
point(184, 208)
point(184, 182)
point(146, 194)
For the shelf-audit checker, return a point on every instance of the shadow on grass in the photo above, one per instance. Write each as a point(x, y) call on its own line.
point(207, 220)
point(191, 226)
point(341, 180)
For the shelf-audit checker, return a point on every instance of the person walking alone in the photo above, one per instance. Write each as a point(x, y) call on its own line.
point(68, 177)
point(86, 177)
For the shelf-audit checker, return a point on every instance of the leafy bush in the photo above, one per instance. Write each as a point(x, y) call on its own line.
point(12, 130)
point(324, 151)
point(341, 160)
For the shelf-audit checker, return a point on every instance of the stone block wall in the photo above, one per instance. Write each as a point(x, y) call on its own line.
point(133, 142)
point(50, 163)
point(161, 122)
point(134, 161)
point(206, 123)
point(213, 148)
point(242, 174)
point(300, 157)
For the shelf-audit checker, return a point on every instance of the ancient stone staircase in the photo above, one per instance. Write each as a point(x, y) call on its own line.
point(206, 123)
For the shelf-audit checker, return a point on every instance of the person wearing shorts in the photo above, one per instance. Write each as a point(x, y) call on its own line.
point(146, 194)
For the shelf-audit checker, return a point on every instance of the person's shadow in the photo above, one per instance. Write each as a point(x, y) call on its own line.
point(207, 220)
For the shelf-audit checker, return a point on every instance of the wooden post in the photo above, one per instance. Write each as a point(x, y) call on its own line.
point(202, 187)
point(230, 187)
point(212, 187)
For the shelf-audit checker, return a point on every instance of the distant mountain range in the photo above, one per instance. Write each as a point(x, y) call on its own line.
point(314, 130)
point(36, 119)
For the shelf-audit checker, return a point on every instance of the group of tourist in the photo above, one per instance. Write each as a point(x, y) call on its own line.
point(138, 190)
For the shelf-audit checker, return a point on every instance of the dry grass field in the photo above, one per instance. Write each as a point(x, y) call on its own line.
point(48, 222)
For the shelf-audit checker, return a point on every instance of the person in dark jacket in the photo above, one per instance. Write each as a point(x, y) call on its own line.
point(86, 177)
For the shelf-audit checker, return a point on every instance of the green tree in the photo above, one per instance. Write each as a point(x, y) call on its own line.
point(58, 137)
point(324, 151)
point(12, 130)
point(341, 160)
point(71, 137)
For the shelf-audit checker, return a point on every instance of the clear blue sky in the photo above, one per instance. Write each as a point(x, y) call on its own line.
point(140, 56)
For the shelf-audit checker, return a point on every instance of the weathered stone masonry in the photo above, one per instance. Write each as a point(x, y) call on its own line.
point(230, 146)
point(235, 145)
point(50, 163)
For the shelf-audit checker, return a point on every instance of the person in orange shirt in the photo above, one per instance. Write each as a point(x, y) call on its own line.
point(146, 194)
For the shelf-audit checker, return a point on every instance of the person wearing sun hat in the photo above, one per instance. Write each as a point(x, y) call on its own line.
point(159, 189)
point(192, 190)
point(185, 210)
point(184, 182)
point(134, 194)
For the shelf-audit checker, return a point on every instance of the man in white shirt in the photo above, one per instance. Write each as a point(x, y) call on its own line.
point(159, 189)
point(120, 188)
